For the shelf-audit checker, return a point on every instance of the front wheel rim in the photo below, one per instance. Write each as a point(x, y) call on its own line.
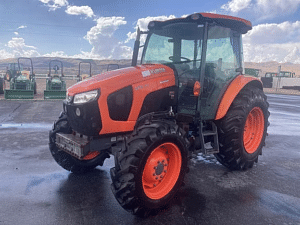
point(161, 170)
point(253, 130)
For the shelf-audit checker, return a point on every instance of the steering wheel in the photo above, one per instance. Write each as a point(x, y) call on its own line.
point(186, 59)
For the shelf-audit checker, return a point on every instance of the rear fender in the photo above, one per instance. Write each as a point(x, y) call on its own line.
point(232, 91)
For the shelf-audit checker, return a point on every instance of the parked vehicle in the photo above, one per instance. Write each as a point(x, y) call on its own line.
point(55, 84)
point(23, 85)
point(188, 96)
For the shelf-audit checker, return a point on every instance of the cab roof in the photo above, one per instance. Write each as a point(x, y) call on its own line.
point(235, 23)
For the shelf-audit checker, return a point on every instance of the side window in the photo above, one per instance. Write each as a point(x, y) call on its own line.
point(222, 53)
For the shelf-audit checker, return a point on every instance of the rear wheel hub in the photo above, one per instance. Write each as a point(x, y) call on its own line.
point(253, 130)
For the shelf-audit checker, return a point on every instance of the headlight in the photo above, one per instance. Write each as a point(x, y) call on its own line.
point(86, 97)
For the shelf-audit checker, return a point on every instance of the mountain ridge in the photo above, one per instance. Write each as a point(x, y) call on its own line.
point(41, 65)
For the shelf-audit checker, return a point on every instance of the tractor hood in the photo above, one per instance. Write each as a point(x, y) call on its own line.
point(111, 81)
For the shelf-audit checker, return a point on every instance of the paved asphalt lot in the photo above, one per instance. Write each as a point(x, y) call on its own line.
point(35, 190)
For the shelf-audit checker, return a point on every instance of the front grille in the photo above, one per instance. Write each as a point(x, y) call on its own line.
point(88, 122)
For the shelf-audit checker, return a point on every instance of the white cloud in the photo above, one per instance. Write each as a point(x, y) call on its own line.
point(21, 27)
point(236, 5)
point(4, 54)
point(142, 23)
point(104, 43)
point(18, 43)
point(16, 33)
point(61, 54)
point(274, 33)
point(273, 42)
point(80, 10)
point(287, 52)
point(45, 1)
point(262, 9)
point(55, 4)
point(272, 8)
point(18, 48)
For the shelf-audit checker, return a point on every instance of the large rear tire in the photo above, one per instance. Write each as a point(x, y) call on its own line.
point(151, 168)
point(67, 161)
point(243, 130)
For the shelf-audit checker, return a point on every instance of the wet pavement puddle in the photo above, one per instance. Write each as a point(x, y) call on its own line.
point(26, 125)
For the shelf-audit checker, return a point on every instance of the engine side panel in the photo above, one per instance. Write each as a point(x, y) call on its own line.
point(159, 100)
point(144, 80)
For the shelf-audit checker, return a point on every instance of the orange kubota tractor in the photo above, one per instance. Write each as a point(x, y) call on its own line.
point(188, 95)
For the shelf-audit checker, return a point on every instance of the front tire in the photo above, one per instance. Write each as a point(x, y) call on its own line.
point(34, 88)
point(67, 161)
point(243, 130)
point(150, 170)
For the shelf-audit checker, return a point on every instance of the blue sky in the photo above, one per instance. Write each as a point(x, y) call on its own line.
point(105, 29)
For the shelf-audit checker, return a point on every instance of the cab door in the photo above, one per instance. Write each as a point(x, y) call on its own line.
point(223, 60)
point(188, 76)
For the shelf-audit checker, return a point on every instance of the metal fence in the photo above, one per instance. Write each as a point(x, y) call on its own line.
point(70, 73)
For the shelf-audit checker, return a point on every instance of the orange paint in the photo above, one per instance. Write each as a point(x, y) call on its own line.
point(91, 155)
point(234, 88)
point(197, 88)
point(218, 16)
point(144, 80)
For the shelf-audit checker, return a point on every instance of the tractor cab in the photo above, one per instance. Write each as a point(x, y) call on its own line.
point(205, 52)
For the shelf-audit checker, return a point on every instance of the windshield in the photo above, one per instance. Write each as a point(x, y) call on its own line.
point(173, 44)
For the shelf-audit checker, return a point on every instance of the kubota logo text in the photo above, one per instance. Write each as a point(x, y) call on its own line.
point(147, 73)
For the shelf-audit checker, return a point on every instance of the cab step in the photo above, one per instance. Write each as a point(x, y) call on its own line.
point(209, 130)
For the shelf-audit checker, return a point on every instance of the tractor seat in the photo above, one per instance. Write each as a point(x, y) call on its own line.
point(210, 70)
